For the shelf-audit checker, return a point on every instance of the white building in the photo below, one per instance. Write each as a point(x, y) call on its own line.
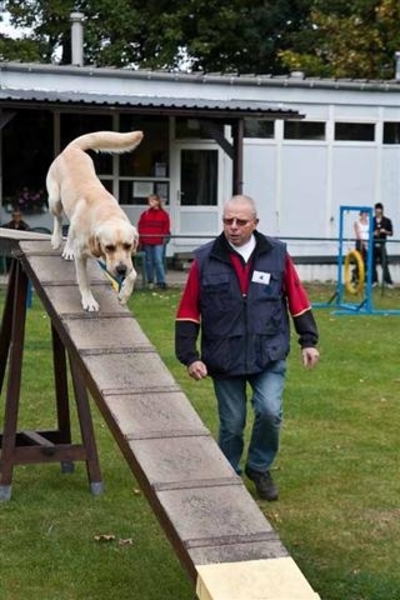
point(209, 135)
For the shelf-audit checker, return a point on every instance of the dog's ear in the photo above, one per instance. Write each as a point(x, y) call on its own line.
point(94, 246)
point(135, 241)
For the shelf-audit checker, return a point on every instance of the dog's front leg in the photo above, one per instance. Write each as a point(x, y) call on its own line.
point(87, 299)
point(68, 252)
point(127, 287)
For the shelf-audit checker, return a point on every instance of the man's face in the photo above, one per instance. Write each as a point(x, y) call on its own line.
point(378, 212)
point(239, 223)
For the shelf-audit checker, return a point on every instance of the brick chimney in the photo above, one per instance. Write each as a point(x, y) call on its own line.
point(77, 38)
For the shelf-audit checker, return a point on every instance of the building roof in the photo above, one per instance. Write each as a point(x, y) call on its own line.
point(149, 104)
point(162, 92)
point(293, 79)
point(213, 95)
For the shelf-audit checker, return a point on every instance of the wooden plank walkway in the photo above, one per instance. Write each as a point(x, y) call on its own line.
point(217, 530)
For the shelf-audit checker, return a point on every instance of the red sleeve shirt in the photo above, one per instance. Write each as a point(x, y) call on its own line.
point(298, 301)
point(188, 317)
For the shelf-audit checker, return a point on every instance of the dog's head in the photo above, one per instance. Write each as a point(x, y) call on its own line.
point(115, 242)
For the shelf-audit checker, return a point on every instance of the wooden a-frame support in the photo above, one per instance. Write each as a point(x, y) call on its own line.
point(29, 447)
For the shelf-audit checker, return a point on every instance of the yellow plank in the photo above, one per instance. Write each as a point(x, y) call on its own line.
point(267, 579)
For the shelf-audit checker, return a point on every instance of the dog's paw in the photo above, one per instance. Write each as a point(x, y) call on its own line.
point(123, 298)
point(124, 294)
point(89, 303)
point(127, 288)
point(68, 254)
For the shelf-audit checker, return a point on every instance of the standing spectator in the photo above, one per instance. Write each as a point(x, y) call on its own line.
point(382, 229)
point(239, 291)
point(361, 231)
point(15, 223)
point(154, 232)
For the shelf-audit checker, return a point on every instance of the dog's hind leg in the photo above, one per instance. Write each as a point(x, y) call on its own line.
point(56, 210)
point(87, 299)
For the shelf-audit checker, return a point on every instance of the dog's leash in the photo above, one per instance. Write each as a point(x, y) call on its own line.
point(116, 282)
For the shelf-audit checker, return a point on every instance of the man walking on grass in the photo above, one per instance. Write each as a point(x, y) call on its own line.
point(239, 292)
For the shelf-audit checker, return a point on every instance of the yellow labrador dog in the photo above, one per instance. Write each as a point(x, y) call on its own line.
point(98, 225)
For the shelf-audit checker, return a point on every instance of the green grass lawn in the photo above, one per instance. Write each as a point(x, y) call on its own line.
point(338, 473)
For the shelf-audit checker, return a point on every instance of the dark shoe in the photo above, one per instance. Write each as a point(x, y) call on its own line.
point(162, 286)
point(265, 485)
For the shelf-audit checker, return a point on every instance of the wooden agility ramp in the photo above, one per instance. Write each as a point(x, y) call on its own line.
point(221, 537)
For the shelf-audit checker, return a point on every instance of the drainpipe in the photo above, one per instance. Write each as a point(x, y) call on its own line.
point(397, 75)
point(238, 135)
point(77, 38)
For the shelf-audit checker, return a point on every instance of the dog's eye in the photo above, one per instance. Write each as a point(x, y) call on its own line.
point(110, 248)
point(127, 246)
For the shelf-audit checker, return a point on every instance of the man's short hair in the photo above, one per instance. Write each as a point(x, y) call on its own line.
point(379, 205)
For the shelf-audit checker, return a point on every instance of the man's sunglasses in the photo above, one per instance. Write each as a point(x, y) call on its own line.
point(239, 222)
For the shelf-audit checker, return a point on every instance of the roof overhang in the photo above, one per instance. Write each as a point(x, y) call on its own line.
point(229, 109)
point(106, 89)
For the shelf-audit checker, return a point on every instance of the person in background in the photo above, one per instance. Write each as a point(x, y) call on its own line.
point(16, 222)
point(361, 232)
point(154, 233)
point(382, 229)
point(240, 290)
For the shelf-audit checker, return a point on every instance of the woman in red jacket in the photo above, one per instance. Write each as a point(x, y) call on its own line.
point(154, 232)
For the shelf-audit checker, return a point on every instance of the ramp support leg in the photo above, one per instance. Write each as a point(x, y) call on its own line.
point(29, 447)
point(18, 291)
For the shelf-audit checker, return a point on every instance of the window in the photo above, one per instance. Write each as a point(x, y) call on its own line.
point(74, 125)
point(196, 128)
point(259, 128)
point(304, 130)
point(355, 132)
point(199, 177)
point(27, 154)
point(151, 159)
point(391, 132)
point(137, 192)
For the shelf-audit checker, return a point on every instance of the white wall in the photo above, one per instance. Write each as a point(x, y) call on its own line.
point(301, 185)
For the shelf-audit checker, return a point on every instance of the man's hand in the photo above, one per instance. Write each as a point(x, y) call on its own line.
point(310, 357)
point(197, 370)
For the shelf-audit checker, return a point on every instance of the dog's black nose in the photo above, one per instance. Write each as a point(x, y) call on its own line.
point(121, 270)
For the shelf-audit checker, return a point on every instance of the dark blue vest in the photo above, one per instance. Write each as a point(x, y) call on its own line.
point(241, 335)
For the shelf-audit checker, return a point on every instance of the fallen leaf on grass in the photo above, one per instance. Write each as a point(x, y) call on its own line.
point(127, 542)
point(104, 537)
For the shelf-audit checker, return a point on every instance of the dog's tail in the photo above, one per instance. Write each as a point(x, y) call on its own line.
point(108, 141)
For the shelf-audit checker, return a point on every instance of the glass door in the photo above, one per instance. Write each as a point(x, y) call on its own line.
point(198, 194)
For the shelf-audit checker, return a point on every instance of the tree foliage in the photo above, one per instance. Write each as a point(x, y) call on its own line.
point(218, 35)
point(332, 38)
point(356, 40)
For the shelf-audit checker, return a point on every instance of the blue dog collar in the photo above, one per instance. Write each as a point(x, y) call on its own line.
point(116, 282)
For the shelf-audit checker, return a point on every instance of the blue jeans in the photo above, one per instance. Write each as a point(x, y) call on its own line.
point(266, 399)
point(154, 263)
